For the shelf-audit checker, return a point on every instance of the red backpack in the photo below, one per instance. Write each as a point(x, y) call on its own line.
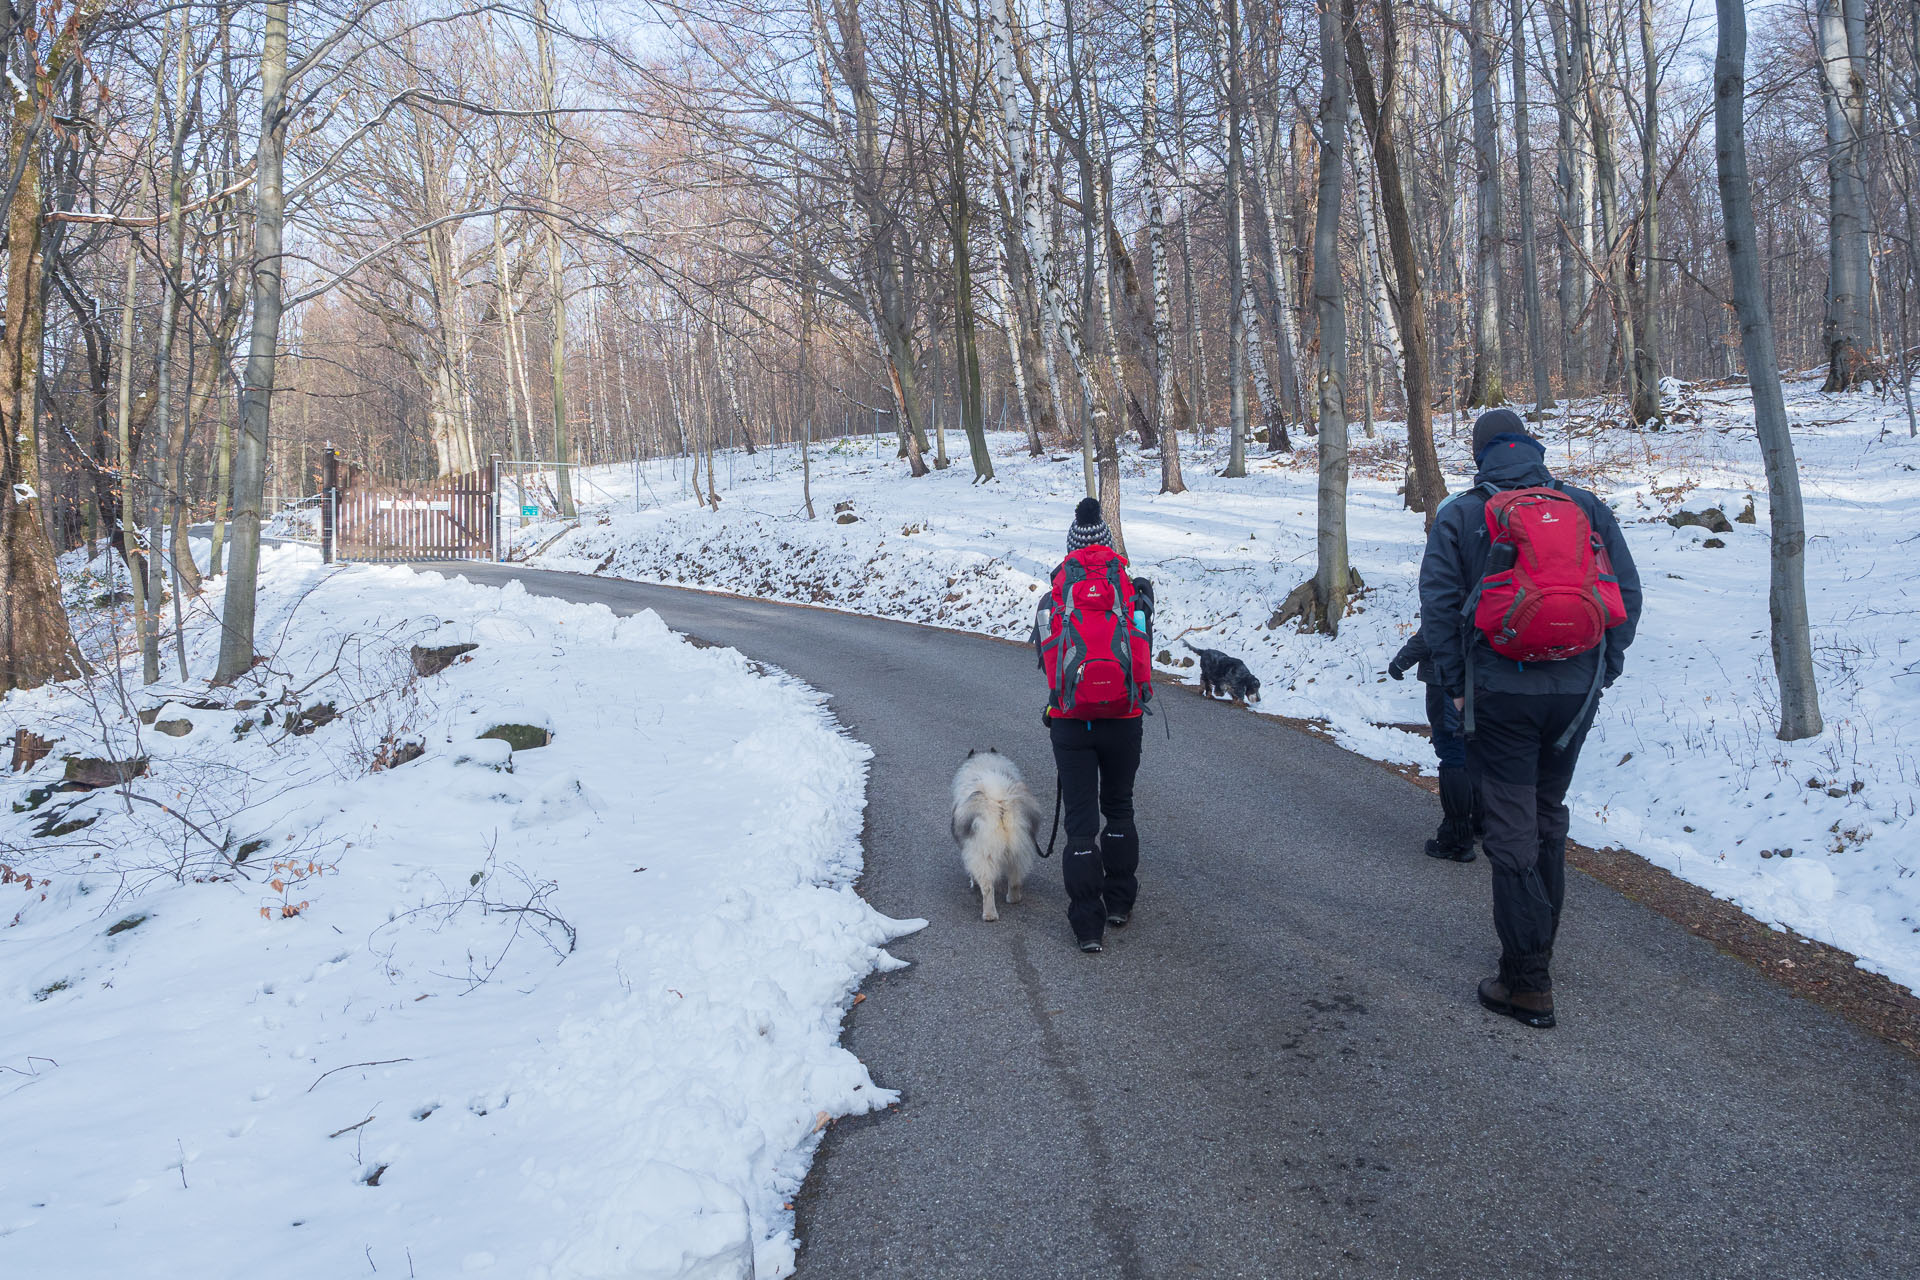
point(1098, 663)
point(1549, 591)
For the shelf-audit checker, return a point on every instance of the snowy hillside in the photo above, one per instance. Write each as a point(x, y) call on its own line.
point(462, 1004)
point(1683, 767)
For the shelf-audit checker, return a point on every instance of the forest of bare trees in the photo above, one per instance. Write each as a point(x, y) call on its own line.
point(433, 232)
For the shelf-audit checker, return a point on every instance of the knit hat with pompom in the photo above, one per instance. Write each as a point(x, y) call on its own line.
point(1088, 529)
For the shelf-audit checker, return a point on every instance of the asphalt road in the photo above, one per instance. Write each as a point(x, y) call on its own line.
point(1279, 1068)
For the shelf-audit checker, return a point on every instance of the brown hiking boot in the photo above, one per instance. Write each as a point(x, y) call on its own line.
point(1535, 1008)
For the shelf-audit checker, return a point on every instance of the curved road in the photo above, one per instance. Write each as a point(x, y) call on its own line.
point(1279, 1069)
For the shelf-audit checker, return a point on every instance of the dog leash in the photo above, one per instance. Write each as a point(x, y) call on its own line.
point(1054, 830)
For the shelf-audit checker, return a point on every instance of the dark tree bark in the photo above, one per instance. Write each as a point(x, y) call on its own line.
point(1529, 259)
point(1426, 487)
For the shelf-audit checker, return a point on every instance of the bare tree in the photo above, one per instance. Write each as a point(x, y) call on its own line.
point(1787, 590)
point(1487, 386)
point(1529, 257)
point(256, 396)
point(1165, 426)
point(1321, 601)
point(1426, 488)
point(1842, 31)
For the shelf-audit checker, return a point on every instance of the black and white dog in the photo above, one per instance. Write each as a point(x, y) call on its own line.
point(996, 823)
point(1225, 676)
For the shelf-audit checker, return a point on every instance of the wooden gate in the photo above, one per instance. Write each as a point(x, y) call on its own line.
point(449, 519)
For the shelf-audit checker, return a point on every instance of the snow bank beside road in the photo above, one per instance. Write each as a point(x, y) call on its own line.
point(561, 1010)
point(1682, 768)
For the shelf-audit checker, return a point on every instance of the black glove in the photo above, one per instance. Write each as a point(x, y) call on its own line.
point(1398, 673)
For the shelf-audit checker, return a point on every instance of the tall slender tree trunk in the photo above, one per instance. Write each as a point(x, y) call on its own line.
point(1646, 356)
point(1380, 112)
point(1286, 326)
point(1569, 158)
point(164, 441)
point(556, 268)
point(1226, 15)
point(1487, 386)
point(1842, 30)
point(1196, 342)
point(139, 563)
point(1529, 257)
point(1322, 600)
point(256, 395)
point(222, 481)
point(35, 644)
point(870, 218)
point(1040, 253)
point(1150, 162)
point(1612, 235)
point(1787, 589)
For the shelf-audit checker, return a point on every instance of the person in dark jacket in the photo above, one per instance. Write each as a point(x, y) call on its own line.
point(1097, 761)
point(1524, 722)
point(1460, 817)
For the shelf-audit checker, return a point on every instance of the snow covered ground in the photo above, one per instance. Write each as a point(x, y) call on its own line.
point(1683, 767)
point(561, 1010)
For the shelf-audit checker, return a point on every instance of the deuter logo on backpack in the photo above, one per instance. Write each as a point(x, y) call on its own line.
point(1097, 656)
point(1549, 592)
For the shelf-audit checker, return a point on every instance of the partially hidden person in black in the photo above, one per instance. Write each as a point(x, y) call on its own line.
point(1460, 817)
point(1093, 634)
point(1524, 722)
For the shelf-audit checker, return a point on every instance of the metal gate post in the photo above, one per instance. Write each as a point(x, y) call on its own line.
point(330, 505)
point(493, 506)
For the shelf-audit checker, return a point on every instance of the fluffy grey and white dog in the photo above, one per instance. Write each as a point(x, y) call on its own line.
point(1224, 676)
point(996, 823)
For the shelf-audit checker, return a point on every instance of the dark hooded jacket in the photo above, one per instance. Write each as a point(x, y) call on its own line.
point(1456, 560)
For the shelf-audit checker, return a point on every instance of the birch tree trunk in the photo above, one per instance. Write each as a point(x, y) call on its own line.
point(1286, 325)
point(256, 393)
point(556, 272)
point(1373, 269)
point(1842, 32)
point(1040, 253)
point(1529, 259)
point(1786, 590)
point(1164, 424)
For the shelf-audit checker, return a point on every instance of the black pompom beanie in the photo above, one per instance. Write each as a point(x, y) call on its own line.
point(1088, 528)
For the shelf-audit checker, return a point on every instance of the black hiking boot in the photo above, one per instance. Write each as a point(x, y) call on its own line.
point(1118, 919)
point(1454, 840)
point(1534, 1008)
point(1091, 946)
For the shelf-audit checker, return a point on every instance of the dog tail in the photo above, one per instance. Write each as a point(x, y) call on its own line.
point(1189, 645)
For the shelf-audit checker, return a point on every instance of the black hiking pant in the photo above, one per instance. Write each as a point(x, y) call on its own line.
point(1097, 760)
point(1523, 786)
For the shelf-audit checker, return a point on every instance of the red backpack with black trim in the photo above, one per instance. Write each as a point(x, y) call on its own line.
point(1098, 662)
point(1549, 591)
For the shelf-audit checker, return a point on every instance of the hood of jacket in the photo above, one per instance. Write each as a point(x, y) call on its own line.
point(1514, 462)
